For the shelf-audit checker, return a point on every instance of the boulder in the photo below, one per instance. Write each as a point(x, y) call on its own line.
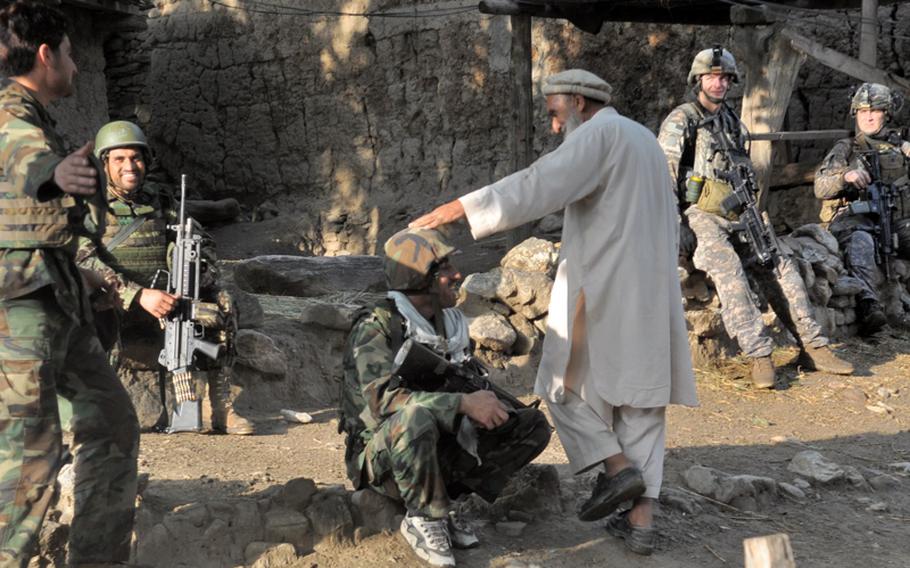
point(287, 275)
point(820, 235)
point(550, 224)
point(375, 512)
point(528, 293)
point(748, 492)
point(847, 286)
point(285, 525)
point(816, 467)
point(482, 285)
point(492, 331)
point(526, 335)
point(270, 554)
point(705, 323)
point(330, 517)
point(258, 351)
point(820, 292)
point(296, 493)
point(249, 310)
point(532, 255)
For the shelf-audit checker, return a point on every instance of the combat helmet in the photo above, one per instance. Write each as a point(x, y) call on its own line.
point(876, 97)
point(412, 256)
point(119, 134)
point(713, 60)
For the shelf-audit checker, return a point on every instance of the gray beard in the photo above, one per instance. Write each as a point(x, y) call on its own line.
point(573, 122)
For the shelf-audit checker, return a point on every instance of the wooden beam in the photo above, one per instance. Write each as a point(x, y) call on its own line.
point(868, 46)
point(770, 66)
point(801, 135)
point(772, 551)
point(844, 63)
point(522, 110)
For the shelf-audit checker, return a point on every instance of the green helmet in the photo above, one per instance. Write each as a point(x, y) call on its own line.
point(412, 256)
point(876, 97)
point(713, 60)
point(119, 134)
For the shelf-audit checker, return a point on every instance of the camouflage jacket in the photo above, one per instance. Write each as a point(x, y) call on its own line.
point(836, 194)
point(689, 137)
point(30, 150)
point(370, 393)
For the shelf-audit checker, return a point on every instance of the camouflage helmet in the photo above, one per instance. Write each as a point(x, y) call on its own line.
point(713, 60)
point(119, 134)
point(412, 256)
point(876, 97)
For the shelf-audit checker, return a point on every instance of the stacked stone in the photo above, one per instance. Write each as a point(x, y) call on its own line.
point(507, 306)
point(128, 62)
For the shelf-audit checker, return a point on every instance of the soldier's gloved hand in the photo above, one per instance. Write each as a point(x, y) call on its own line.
point(858, 177)
point(484, 408)
point(75, 173)
point(157, 302)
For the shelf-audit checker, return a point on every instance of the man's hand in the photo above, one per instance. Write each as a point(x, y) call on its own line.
point(75, 173)
point(157, 302)
point(442, 215)
point(858, 177)
point(484, 408)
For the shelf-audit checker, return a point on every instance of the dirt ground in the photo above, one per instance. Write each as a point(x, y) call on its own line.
point(861, 420)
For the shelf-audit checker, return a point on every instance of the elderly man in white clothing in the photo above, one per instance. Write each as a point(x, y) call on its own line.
point(616, 351)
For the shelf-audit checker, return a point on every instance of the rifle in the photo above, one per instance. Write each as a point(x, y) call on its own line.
point(182, 332)
point(423, 369)
point(741, 202)
point(877, 201)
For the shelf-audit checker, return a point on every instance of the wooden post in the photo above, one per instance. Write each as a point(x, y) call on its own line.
point(868, 42)
point(772, 551)
point(770, 65)
point(522, 109)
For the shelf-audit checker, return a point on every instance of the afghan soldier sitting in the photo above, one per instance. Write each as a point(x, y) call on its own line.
point(703, 142)
point(424, 426)
point(132, 255)
point(843, 182)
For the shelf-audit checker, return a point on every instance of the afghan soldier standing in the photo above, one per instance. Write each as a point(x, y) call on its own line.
point(134, 249)
point(692, 137)
point(416, 442)
point(841, 180)
point(47, 342)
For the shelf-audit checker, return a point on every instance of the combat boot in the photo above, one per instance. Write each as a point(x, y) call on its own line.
point(824, 360)
point(763, 372)
point(224, 419)
point(871, 317)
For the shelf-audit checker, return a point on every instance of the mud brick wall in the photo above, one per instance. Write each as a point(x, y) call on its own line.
point(354, 124)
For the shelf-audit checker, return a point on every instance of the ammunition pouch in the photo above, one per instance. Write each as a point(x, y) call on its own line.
point(712, 198)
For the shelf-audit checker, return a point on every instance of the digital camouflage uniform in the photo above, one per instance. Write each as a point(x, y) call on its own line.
point(855, 232)
point(48, 346)
point(688, 140)
point(402, 443)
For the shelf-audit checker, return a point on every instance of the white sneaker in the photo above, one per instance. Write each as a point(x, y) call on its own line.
point(461, 532)
point(429, 538)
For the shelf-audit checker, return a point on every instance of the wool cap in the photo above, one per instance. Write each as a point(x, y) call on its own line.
point(578, 82)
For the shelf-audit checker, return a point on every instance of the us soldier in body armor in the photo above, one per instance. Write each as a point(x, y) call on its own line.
point(48, 345)
point(840, 180)
point(427, 447)
point(134, 248)
point(691, 137)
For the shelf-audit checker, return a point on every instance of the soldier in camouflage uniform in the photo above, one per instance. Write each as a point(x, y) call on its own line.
point(690, 137)
point(840, 180)
point(47, 342)
point(410, 444)
point(134, 248)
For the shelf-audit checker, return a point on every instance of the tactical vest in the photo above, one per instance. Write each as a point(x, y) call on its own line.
point(144, 252)
point(27, 223)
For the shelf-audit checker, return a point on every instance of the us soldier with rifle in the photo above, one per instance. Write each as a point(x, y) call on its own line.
point(865, 195)
point(423, 423)
point(142, 238)
point(705, 147)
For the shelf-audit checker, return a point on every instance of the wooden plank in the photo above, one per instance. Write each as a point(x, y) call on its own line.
point(772, 551)
point(801, 135)
point(844, 63)
point(770, 65)
point(522, 110)
point(868, 43)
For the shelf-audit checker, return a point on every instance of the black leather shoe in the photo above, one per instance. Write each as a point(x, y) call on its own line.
point(610, 492)
point(639, 540)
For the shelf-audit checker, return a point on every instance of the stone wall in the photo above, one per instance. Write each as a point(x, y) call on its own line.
point(354, 124)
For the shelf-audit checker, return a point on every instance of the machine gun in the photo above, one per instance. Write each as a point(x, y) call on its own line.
point(877, 201)
point(423, 369)
point(182, 331)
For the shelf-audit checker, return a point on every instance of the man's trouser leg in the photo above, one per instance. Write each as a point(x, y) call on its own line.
point(859, 259)
point(402, 462)
point(592, 432)
point(715, 255)
point(794, 290)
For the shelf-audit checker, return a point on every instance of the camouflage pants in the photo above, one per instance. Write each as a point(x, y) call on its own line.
point(716, 255)
point(409, 458)
point(42, 353)
point(858, 245)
